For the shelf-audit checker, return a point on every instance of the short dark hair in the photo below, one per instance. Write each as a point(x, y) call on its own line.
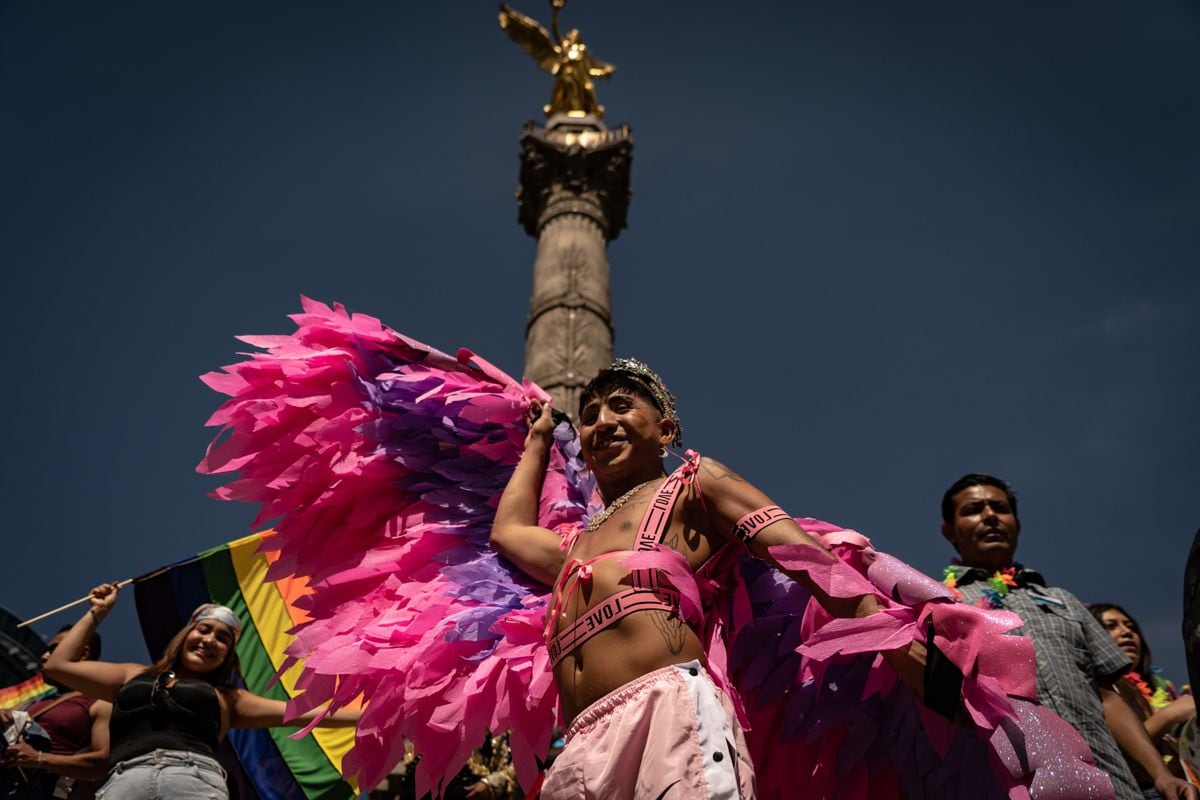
point(975, 479)
point(93, 642)
point(609, 381)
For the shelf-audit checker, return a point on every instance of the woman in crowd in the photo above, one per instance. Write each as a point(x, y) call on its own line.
point(169, 717)
point(1153, 698)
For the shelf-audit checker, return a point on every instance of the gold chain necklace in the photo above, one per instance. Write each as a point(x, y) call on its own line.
point(602, 517)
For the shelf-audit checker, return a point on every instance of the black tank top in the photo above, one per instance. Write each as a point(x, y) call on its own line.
point(186, 716)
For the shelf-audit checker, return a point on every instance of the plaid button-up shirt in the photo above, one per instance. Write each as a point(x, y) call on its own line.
point(1073, 652)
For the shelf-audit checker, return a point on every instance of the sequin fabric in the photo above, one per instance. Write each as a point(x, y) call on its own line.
point(1072, 652)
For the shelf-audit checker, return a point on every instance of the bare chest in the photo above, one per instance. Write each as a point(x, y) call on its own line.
point(640, 525)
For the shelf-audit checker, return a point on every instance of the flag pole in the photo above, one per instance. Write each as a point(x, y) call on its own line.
point(72, 604)
point(147, 576)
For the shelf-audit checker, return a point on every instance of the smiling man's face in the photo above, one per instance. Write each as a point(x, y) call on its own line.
point(621, 430)
point(984, 529)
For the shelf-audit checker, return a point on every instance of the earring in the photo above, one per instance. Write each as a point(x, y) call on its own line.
point(662, 451)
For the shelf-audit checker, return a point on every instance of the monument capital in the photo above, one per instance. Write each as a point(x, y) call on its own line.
point(573, 198)
point(571, 169)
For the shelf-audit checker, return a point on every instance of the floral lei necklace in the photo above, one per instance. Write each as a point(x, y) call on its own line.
point(997, 585)
point(1158, 697)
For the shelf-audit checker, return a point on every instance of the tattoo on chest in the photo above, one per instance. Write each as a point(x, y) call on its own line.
point(671, 628)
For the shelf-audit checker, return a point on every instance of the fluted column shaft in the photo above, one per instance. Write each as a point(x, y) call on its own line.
point(573, 198)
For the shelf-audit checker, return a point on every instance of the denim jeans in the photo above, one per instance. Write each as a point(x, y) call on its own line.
point(166, 775)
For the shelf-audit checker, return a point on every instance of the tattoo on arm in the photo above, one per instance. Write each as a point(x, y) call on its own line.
point(721, 472)
point(672, 630)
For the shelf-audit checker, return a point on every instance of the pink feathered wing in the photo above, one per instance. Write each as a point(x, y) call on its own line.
point(827, 717)
point(381, 461)
point(827, 713)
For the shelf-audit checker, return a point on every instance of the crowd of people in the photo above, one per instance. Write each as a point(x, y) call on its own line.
point(643, 717)
point(150, 730)
point(1085, 660)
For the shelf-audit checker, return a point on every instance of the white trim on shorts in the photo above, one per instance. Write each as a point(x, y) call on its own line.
point(715, 733)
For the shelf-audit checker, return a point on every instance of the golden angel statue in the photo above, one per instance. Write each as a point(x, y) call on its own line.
point(569, 61)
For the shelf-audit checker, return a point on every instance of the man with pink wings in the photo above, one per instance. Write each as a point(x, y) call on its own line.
point(693, 639)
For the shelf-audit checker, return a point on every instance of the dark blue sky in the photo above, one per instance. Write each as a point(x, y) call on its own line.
point(873, 246)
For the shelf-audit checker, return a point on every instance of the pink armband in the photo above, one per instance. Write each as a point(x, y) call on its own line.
point(749, 526)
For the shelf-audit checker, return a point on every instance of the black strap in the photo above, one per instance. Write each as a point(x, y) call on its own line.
point(943, 681)
point(64, 698)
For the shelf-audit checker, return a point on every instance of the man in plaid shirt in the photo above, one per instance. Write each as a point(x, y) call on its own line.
point(1077, 662)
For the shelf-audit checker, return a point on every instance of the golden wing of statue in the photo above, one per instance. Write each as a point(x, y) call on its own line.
point(533, 38)
point(599, 69)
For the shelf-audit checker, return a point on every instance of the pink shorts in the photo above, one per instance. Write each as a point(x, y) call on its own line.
point(669, 735)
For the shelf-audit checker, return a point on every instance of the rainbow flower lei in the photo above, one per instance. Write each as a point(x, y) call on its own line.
point(993, 594)
point(1159, 696)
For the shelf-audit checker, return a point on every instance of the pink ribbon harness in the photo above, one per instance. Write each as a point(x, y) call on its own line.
point(648, 592)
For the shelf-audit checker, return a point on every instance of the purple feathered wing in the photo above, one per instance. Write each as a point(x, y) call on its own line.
point(380, 461)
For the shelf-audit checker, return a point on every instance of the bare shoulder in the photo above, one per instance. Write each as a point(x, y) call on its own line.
point(718, 482)
point(725, 495)
point(713, 470)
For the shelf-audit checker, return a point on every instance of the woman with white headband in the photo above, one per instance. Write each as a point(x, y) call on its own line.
point(169, 717)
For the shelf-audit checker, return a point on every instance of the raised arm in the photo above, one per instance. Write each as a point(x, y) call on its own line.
point(249, 710)
point(99, 679)
point(515, 532)
point(728, 498)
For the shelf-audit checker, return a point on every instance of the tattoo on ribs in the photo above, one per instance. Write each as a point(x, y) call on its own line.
point(671, 628)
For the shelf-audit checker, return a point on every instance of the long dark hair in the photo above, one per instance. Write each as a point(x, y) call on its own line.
point(222, 677)
point(1142, 665)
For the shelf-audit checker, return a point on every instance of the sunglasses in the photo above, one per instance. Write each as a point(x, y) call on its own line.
point(159, 695)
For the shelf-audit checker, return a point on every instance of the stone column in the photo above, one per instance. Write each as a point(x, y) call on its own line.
point(573, 199)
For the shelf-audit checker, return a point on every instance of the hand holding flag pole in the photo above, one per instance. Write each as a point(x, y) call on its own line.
point(72, 604)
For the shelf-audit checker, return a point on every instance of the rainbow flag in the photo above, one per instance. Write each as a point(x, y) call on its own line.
point(26, 691)
point(262, 764)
